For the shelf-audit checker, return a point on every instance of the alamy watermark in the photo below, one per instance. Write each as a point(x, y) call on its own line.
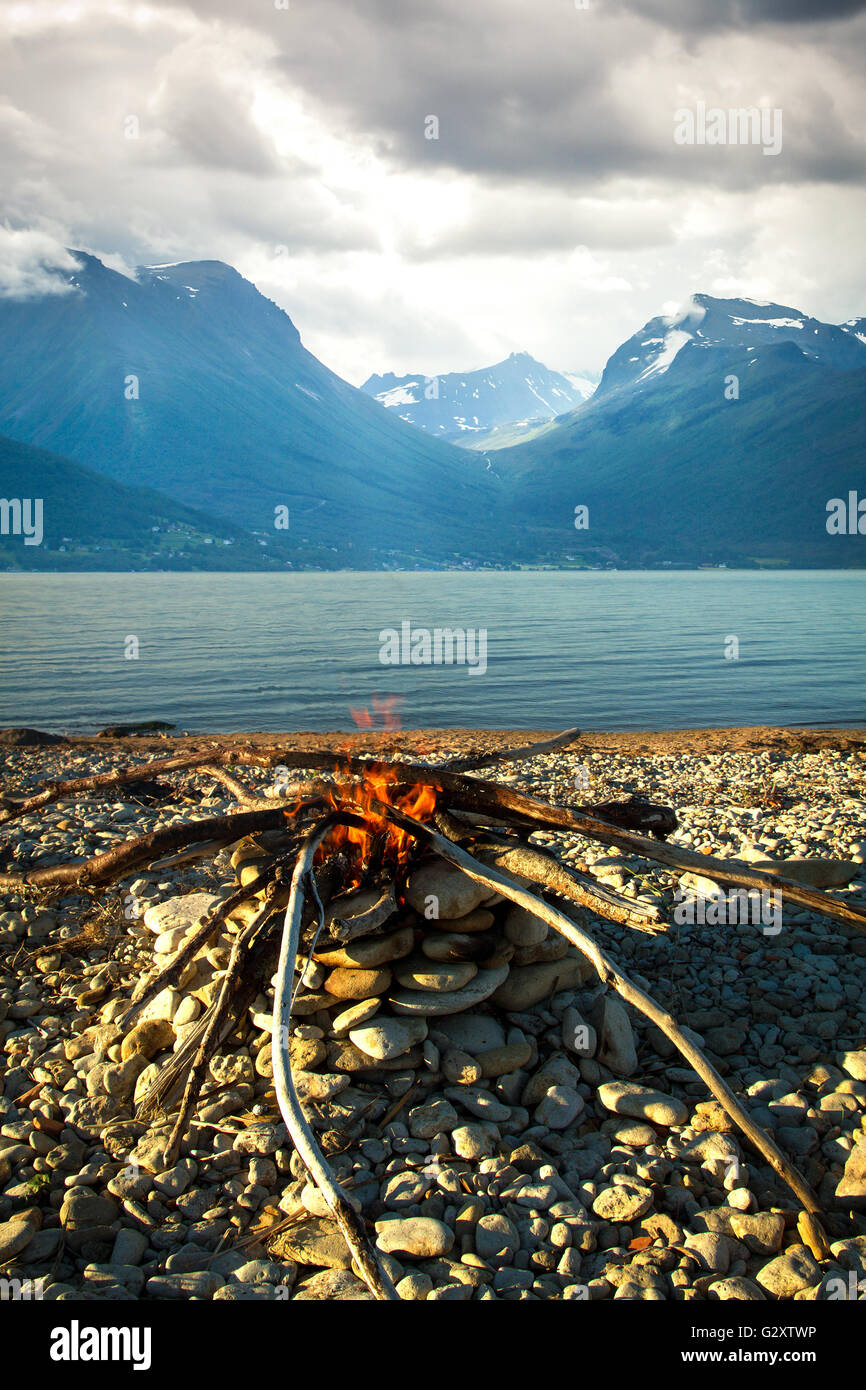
point(443, 646)
point(846, 519)
point(743, 125)
point(22, 516)
point(22, 1290)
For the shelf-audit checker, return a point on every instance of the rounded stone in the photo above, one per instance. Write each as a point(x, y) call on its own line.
point(496, 1238)
point(559, 1108)
point(479, 920)
point(501, 1061)
point(523, 928)
point(418, 972)
point(622, 1204)
point(642, 1103)
point(445, 889)
point(389, 1037)
point(369, 953)
point(527, 985)
point(787, 1274)
point(354, 1016)
point(449, 945)
point(460, 1069)
point(475, 1141)
point(345, 983)
point(181, 912)
point(418, 1237)
point(424, 1003)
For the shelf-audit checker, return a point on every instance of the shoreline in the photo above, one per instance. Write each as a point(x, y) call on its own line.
point(464, 741)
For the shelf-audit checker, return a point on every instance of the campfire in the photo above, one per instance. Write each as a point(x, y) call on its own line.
point(383, 893)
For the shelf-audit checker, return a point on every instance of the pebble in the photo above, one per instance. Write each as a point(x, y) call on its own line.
point(854, 1063)
point(852, 1185)
point(416, 1237)
point(622, 1204)
point(629, 1098)
point(502, 1061)
point(424, 1003)
point(420, 973)
point(389, 1037)
point(475, 1141)
point(616, 1044)
point(496, 1239)
point(369, 952)
point(343, 983)
point(762, 1232)
point(527, 985)
point(523, 928)
point(559, 1108)
point(789, 1273)
point(356, 1014)
point(439, 891)
point(179, 913)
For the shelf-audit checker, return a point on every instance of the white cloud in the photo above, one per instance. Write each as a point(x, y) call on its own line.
point(33, 262)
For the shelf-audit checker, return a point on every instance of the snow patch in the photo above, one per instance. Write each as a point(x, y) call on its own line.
point(674, 341)
point(772, 323)
point(398, 395)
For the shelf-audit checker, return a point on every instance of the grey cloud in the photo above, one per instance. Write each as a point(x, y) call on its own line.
point(206, 124)
point(534, 93)
point(719, 14)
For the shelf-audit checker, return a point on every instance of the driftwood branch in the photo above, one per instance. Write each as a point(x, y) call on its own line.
point(366, 1257)
point(122, 858)
point(222, 1014)
point(481, 796)
point(243, 794)
point(512, 755)
point(543, 869)
point(608, 972)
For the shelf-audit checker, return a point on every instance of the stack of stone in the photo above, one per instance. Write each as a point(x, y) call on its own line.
point(452, 947)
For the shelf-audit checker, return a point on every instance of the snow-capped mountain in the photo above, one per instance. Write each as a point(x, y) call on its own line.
point(469, 407)
point(857, 328)
point(669, 462)
point(706, 323)
point(186, 379)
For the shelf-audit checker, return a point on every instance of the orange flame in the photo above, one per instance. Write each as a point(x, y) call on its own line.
point(378, 784)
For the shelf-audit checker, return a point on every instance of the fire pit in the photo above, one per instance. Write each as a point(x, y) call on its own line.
point(380, 898)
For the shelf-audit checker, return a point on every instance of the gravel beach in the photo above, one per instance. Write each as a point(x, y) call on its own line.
point(558, 1149)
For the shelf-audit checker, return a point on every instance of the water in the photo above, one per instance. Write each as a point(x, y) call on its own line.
point(609, 650)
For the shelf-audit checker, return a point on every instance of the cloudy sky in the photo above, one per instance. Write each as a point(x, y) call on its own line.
point(555, 212)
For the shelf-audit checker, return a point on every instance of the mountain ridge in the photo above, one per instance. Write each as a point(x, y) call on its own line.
point(186, 378)
point(189, 377)
point(471, 408)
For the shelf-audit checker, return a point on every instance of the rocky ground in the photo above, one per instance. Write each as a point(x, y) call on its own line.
point(525, 1148)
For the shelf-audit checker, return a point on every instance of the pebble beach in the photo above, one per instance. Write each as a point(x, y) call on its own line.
point(523, 1148)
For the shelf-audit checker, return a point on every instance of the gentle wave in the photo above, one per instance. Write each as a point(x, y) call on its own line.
point(614, 650)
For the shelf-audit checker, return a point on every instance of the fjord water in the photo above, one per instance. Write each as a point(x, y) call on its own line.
point(605, 650)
